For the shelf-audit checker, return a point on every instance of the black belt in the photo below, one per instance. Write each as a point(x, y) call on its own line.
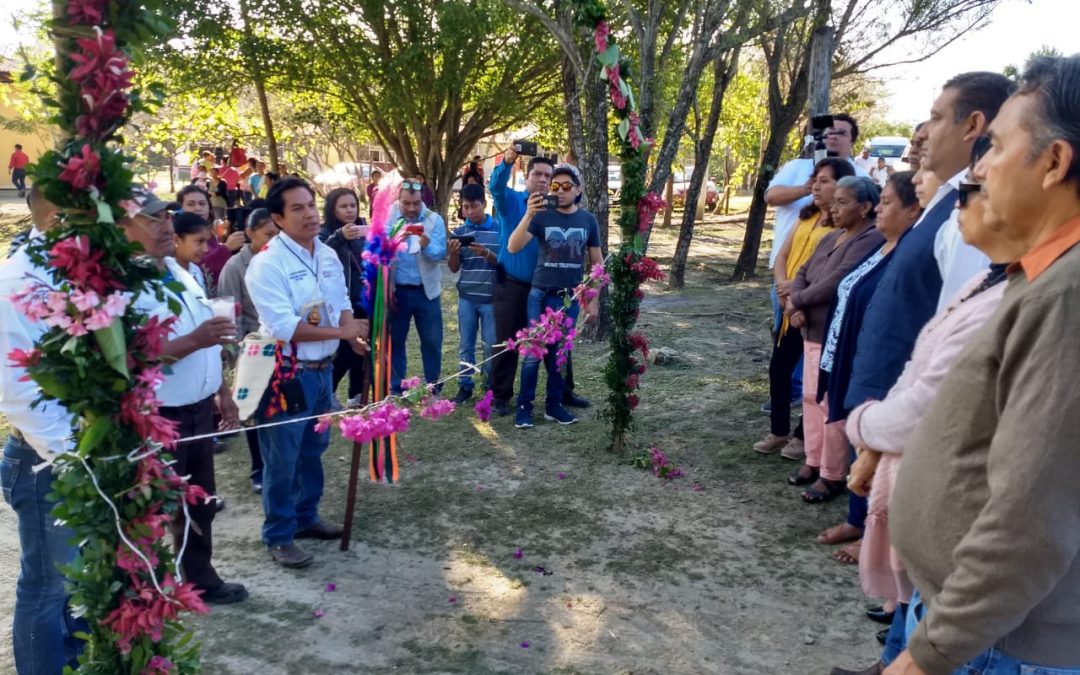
point(321, 364)
point(189, 408)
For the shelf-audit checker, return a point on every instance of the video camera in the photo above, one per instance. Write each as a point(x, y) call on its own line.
point(819, 126)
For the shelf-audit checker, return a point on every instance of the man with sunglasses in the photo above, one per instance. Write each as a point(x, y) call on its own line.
point(569, 245)
point(417, 276)
point(514, 276)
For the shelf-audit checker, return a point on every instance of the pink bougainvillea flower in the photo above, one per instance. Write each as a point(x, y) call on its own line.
point(518, 553)
point(562, 475)
point(81, 170)
point(323, 424)
point(330, 588)
point(158, 665)
point(380, 422)
point(436, 408)
point(483, 406)
point(319, 613)
point(410, 383)
point(600, 36)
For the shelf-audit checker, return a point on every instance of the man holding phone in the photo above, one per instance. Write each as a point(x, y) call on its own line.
point(569, 245)
point(417, 279)
point(515, 273)
point(473, 250)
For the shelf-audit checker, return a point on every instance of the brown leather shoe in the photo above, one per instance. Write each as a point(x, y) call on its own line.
point(291, 556)
point(320, 530)
point(875, 669)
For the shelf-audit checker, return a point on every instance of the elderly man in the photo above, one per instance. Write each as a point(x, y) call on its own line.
point(985, 513)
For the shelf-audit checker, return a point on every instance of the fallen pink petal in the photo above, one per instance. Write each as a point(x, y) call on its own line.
point(525, 645)
point(518, 554)
point(330, 588)
point(562, 475)
point(319, 613)
point(453, 599)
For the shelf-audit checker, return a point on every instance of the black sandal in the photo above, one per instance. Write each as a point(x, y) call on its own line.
point(833, 488)
point(798, 479)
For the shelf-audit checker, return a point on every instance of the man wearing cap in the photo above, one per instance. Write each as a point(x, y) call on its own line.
point(43, 629)
point(298, 286)
point(569, 239)
point(187, 392)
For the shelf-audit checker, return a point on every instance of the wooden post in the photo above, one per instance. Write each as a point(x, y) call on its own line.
point(821, 53)
point(354, 468)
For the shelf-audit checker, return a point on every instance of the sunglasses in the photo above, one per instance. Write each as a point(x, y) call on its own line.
point(965, 190)
point(565, 187)
point(414, 186)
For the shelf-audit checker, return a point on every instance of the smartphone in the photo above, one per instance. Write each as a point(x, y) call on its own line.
point(465, 239)
point(415, 229)
point(528, 148)
point(551, 201)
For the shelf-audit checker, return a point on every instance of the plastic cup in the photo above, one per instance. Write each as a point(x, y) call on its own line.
point(224, 308)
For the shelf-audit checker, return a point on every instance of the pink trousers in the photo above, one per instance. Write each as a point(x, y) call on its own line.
point(826, 444)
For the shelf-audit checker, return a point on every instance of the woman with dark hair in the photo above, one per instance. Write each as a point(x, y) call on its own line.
point(815, 222)
point(194, 199)
point(191, 234)
point(344, 230)
point(896, 213)
point(807, 307)
point(260, 229)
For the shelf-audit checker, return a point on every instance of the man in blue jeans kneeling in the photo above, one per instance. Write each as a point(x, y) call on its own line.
point(569, 245)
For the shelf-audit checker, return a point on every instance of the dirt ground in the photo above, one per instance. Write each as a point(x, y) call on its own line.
point(639, 575)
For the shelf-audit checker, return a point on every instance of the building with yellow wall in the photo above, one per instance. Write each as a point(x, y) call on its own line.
point(17, 127)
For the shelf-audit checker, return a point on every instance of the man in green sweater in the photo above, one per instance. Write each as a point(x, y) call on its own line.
point(986, 512)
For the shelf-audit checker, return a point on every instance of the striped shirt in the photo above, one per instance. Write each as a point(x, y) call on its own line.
point(477, 279)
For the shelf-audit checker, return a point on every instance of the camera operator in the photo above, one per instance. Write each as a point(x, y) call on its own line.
point(515, 272)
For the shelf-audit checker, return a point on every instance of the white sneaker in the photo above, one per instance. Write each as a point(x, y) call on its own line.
point(353, 402)
point(794, 450)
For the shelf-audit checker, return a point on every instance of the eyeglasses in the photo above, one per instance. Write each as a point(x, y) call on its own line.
point(412, 185)
point(965, 190)
point(565, 187)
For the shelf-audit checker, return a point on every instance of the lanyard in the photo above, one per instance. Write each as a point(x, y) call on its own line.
point(314, 271)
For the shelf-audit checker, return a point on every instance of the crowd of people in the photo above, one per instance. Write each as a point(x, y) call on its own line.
point(922, 322)
point(921, 319)
point(294, 276)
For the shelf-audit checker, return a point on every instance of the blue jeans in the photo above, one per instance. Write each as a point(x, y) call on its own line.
point(410, 303)
point(292, 462)
point(539, 300)
point(895, 641)
point(43, 629)
point(471, 315)
point(990, 662)
point(778, 315)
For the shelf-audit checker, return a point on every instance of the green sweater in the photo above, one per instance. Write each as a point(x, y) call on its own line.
point(986, 509)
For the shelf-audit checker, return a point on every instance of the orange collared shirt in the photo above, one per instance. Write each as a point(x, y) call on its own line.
point(1039, 259)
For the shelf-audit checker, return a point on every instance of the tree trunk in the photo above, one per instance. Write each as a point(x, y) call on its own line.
point(724, 70)
point(255, 68)
point(669, 199)
point(594, 174)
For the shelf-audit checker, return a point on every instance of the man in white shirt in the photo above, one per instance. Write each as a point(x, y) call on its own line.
point(298, 287)
point(880, 173)
point(186, 394)
point(864, 161)
point(417, 278)
point(962, 113)
point(43, 629)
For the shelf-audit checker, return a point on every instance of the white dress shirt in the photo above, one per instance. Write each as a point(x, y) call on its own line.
point(197, 376)
point(285, 281)
point(48, 426)
point(957, 261)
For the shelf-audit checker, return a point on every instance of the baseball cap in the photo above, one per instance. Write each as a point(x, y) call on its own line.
point(568, 170)
point(149, 203)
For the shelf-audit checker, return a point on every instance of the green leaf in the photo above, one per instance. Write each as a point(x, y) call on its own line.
point(624, 128)
point(104, 212)
point(93, 435)
point(639, 243)
point(610, 56)
point(113, 346)
point(70, 345)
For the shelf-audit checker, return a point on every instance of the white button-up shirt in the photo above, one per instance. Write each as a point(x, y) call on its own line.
point(197, 376)
point(285, 281)
point(957, 261)
point(48, 426)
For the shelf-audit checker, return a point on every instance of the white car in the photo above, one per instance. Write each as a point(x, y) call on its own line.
point(892, 148)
